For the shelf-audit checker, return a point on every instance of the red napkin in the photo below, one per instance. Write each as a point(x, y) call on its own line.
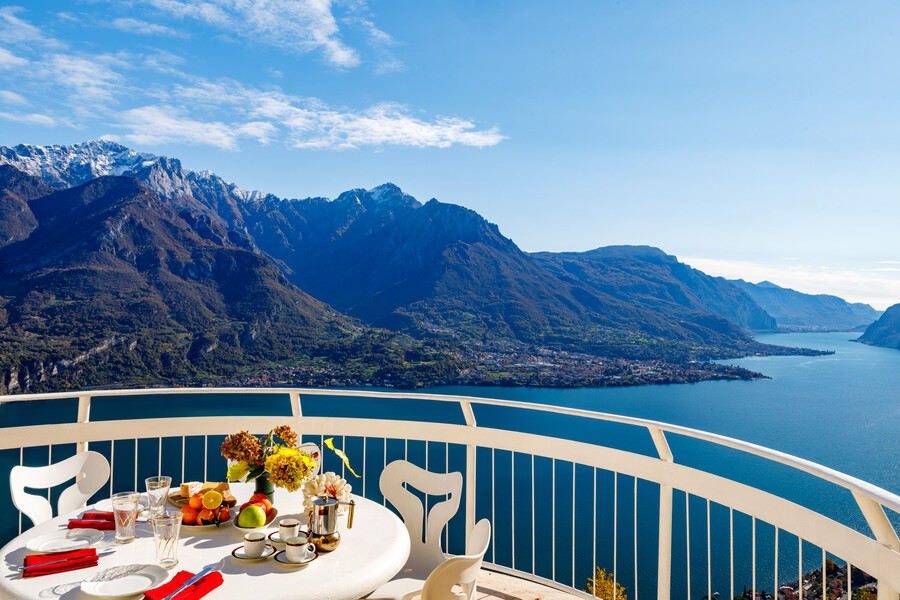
point(86, 557)
point(94, 520)
point(197, 590)
point(82, 524)
point(98, 516)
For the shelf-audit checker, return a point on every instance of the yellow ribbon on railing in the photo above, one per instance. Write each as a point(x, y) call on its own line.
point(330, 443)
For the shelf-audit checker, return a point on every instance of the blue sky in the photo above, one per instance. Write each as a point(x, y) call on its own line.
point(750, 139)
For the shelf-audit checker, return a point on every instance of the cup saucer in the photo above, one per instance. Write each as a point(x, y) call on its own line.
point(281, 557)
point(275, 536)
point(239, 553)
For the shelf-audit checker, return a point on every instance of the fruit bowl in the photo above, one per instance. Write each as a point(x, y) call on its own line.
point(269, 518)
point(195, 527)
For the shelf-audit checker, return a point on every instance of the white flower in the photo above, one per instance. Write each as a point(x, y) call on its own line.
point(316, 486)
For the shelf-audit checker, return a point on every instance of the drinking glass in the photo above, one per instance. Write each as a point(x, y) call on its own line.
point(165, 534)
point(125, 509)
point(158, 493)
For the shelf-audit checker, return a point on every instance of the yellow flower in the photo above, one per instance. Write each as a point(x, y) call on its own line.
point(237, 470)
point(289, 468)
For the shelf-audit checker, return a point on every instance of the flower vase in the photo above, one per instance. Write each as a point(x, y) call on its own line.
point(264, 485)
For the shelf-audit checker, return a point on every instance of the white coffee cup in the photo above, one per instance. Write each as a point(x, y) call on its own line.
point(254, 544)
point(288, 528)
point(298, 549)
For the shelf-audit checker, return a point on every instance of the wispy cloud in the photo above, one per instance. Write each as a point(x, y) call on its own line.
point(8, 60)
point(183, 108)
point(129, 25)
point(872, 286)
point(92, 78)
point(8, 97)
point(30, 119)
point(310, 123)
point(14, 30)
point(166, 124)
point(297, 25)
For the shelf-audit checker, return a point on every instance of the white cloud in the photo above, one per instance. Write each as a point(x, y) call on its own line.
point(90, 77)
point(14, 30)
point(77, 88)
point(298, 25)
point(871, 286)
point(140, 27)
point(310, 123)
point(167, 124)
point(7, 97)
point(30, 119)
point(8, 60)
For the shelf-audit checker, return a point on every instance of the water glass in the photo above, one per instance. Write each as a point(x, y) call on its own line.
point(158, 493)
point(165, 535)
point(125, 509)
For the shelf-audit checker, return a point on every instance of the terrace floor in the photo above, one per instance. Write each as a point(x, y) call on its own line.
point(497, 586)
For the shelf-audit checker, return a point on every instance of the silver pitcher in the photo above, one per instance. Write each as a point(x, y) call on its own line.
point(323, 522)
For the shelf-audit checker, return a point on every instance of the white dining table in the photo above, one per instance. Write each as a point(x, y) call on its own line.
point(369, 554)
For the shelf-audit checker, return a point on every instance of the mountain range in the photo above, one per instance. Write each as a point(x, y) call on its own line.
point(106, 247)
point(796, 311)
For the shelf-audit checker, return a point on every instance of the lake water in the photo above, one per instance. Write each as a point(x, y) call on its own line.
point(840, 410)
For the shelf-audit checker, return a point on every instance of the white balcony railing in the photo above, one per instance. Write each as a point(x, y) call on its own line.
point(566, 489)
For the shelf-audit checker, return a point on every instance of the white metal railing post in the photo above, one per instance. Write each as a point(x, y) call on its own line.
point(664, 560)
point(84, 415)
point(296, 412)
point(470, 471)
point(883, 531)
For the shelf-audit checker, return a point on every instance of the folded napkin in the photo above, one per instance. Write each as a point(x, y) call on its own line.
point(86, 557)
point(98, 516)
point(94, 520)
point(197, 590)
point(84, 524)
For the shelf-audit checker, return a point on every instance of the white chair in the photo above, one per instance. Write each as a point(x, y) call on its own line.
point(312, 450)
point(424, 554)
point(92, 465)
point(456, 570)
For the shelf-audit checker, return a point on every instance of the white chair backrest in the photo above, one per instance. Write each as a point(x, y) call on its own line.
point(37, 508)
point(460, 570)
point(313, 450)
point(424, 554)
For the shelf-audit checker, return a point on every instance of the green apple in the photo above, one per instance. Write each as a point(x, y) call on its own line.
point(252, 516)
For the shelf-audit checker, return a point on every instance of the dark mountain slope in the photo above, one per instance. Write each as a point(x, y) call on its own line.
point(797, 311)
point(113, 285)
point(16, 189)
point(649, 277)
point(440, 268)
point(885, 331)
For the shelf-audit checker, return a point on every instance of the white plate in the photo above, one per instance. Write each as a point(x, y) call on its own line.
point(106, 505)
point(282, 558)
point(239, 553)
point(64, 541)
point(124, 581)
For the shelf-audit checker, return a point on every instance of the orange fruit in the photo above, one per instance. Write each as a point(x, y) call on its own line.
point(196, 501)
point(212, 499)
point(189, 515)
point(224, 514)
point(206, 517)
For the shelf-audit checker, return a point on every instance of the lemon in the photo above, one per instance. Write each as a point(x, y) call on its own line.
point(212, 499)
